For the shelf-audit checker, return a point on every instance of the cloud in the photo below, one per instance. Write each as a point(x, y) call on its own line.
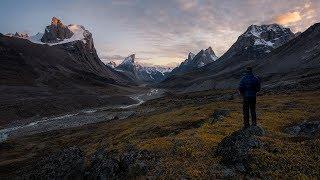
point(162, 32)
point(166, 31)
point(288, 18)
point(187, 5)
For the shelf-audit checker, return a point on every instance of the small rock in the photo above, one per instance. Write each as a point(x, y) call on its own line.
point(219, 114)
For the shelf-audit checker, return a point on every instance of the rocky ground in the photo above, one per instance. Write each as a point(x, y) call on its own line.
point(195, 135)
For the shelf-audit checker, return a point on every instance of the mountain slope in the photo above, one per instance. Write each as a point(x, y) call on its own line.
point(46, 78)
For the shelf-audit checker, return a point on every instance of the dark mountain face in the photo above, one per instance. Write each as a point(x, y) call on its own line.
point(193, 62)
point(288, 62)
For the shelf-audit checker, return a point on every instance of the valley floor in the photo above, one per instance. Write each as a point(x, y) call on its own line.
point(181, 134)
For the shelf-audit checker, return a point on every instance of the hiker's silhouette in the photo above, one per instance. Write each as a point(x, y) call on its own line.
point(248, 88)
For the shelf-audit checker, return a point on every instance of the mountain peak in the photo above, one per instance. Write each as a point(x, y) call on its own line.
point(130, 59)
point(262, 31)
point(56, 32)
point(259, 40)
point(55, 21)
point(128, 63)
point(191, 55)
point(209, 51)
point(193, 61)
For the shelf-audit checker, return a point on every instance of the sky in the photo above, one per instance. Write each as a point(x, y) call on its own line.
point(159, 32)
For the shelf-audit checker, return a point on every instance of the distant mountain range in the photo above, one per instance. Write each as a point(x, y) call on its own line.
point(140, 73)
point(193, 61)
point(276, 54)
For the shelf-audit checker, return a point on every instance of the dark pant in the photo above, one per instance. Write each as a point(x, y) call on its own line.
point(249, 103)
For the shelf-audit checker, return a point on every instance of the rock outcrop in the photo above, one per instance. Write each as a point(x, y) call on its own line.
point(234, 149)
point(56, 32)
point(306, 129)
point(67, 163)
point(219, 114)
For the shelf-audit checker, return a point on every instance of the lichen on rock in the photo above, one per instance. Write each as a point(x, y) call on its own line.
point(234, 149)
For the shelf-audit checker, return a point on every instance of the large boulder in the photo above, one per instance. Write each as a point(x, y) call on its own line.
point(107, 165)
point(234, 149)
point(56, 32)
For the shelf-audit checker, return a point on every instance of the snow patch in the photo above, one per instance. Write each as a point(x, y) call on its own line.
point(263, 42)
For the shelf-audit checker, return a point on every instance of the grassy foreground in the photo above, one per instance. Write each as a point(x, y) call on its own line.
point(183, 139)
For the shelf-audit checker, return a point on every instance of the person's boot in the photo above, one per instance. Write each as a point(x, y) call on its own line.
point(246, 126)
point(254, 121)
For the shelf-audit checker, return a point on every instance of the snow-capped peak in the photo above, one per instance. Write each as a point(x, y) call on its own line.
point(256, 30)
point(18, 35)
point(258, 40)
point(201, 59)
point(271, 35)
point(142, 72)
point(129, 60)
point(57, 33)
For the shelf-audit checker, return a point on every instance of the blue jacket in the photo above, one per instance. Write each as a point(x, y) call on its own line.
point(249, 85)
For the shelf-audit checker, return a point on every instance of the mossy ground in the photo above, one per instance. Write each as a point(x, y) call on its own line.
point(184, 139)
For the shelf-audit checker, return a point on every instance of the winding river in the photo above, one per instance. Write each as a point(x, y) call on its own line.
point(80, 118)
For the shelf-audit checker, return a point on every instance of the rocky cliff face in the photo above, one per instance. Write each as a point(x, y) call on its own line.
point(56, 32)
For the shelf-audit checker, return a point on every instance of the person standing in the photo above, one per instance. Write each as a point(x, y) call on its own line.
point(248, 88)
